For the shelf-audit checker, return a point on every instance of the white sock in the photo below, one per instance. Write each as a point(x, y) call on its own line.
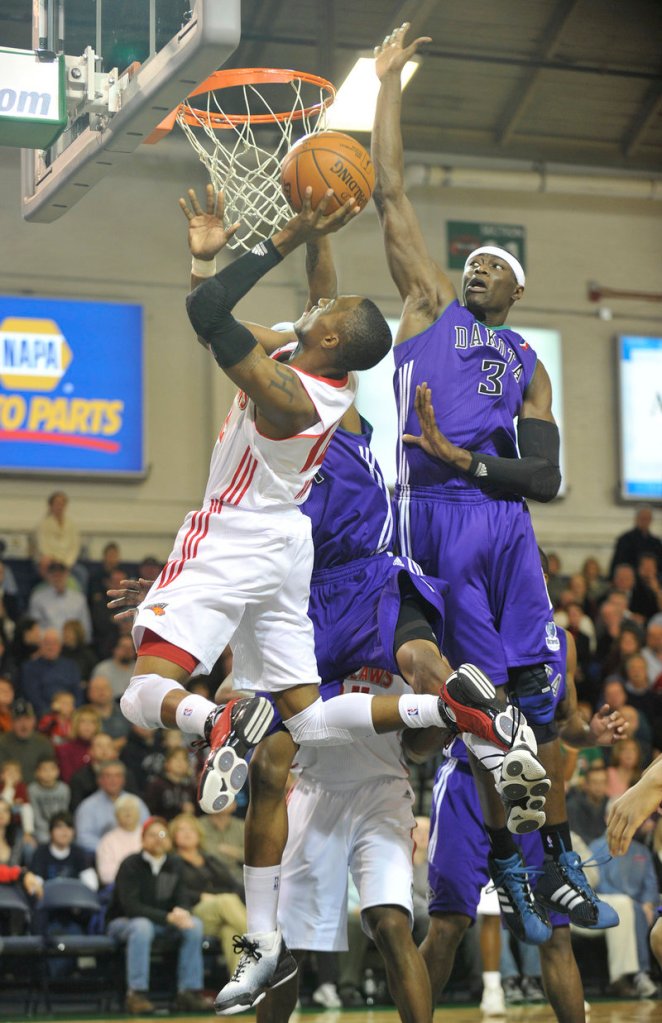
point(192, 713)
point(262, 885)
point(420, 711)
point(491, 980)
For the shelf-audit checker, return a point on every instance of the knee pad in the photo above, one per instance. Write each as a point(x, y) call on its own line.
point(533, 693)
point(337, 722)
point(142, 699)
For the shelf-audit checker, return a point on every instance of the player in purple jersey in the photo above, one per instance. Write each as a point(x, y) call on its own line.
point(465, 517)
point(455, 883)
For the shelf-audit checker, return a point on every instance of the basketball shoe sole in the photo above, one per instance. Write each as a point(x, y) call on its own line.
point(232, 732)
point(523, 788)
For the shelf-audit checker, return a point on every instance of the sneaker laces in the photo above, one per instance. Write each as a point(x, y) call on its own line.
point(573, 866)
point(247, 950)
point(521, 889)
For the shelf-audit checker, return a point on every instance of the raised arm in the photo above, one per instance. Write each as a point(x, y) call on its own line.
point(275, 388)
point(424, 287)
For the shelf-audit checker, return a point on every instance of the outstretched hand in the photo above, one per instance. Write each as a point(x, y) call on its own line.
point(608, 726)
point(629, 812)
point(392, 55)
point(309, 225)
point(207, 233)
point(432, 440)
point(132, 592)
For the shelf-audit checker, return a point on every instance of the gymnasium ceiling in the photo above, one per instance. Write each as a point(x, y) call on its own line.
point(546, 81)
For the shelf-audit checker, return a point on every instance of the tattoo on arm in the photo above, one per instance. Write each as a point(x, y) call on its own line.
point(285, 383)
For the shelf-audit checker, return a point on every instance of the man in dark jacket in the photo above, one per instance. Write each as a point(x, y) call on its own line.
point(150, 899)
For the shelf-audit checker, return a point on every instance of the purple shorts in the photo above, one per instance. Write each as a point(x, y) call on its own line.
point(498, 613)
point(459, 846)
point(354, 610)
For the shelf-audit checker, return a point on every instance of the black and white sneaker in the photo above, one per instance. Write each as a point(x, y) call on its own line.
point(265, 962)
point(523, 787)
point(231, 732)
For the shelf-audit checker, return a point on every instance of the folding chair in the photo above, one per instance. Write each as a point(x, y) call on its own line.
point(21, 954)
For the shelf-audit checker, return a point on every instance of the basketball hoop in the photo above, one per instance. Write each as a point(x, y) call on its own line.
point(248, 171)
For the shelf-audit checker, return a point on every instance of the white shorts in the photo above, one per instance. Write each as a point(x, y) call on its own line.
point(242, 578)
point(366, 830)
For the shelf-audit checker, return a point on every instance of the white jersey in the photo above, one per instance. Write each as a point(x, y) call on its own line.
point(254, 472)
point(374, 758)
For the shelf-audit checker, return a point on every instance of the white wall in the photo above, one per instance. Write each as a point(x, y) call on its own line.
point(126, 240)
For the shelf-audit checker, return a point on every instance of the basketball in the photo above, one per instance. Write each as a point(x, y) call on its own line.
point(329, 159)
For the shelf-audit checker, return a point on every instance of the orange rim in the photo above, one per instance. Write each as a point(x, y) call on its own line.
point(253, 76)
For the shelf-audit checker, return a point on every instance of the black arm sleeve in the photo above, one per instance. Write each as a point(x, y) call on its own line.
point(210, 305)
point(536, 474)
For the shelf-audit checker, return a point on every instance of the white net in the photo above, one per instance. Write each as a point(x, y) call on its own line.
point(245, 170)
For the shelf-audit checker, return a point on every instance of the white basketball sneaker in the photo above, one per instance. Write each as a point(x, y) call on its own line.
point(265, 962)
point(493, 1002)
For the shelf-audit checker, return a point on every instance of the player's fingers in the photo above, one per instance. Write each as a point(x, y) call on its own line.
point(211, 198)
point(184, 208)
point(409, 438)
point(306, 205)
point(130, 613)
point(197, 208)
point(232, 229)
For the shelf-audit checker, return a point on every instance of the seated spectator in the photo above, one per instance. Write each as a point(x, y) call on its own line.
point(60, 856)
point(629, 641)
point(586, 804)
point(56, 538)
point(71, 755)
point(119, 668)
point(99, 579)
point(652, 654)
point(96, 814)
point(640, 695)
point(54, 602)
point(596, 583)
point(223, 837)
point(27, 640)
point(622, 581)
point(84, 781)
point(106, 628)
point(624, 767)
point(631, 545)
point(48, 796)
point(556, 580)
point(13, 852)
point(75, 648)
point(174, 791)
point(613, 612)
point(122, 841)
point(647, 593)
point(15, 792)
point(49, 673)
point(211, 888)
point(22, 743)
point(584, 680)
point(6, 699)
point(143, 754)
point(113, 722)
point(632, 874)
point(150, 899)
point(58, 723)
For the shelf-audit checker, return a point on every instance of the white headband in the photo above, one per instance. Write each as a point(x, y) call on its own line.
point(507, 257)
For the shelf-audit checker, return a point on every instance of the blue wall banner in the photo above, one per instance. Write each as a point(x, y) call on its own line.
point(71, 387)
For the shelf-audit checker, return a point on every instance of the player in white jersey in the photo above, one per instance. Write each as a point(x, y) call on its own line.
point(353, 813)
point(240, 568)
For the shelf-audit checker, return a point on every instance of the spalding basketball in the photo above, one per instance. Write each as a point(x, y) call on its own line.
point(327, 160)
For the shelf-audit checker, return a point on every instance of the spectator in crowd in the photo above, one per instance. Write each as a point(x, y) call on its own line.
point(113, 722)
point(106, 628)
point(223, 837)
point(77, 649)
point(210, 886)
point(584, 680)
point(596, 584)
point(118, 669)
point(12, 848)
point(96, 814)
point(48, 796)
point(622, 581)
point(149, 568)
point(55, 602)
point(99, 579)
point(121, 841)
point(632, 874)
point(613, 612)
point(629, 641)
point(647, 594)
point(150, 899)
point(27, 640)
point(6, 699)
point(57, 723)
point(652, 654)
point(143, 754)
point(15, 792)
point(586, 804)
point(174, 791)
point(48, 673)
point(640, 695)
point(60, 856)
point(23, 743)
point(71, 755)
point(556, 581)
point(624, 767)
point(640, 540)
point(85, 781)
point(56, 537)
point(9, 599)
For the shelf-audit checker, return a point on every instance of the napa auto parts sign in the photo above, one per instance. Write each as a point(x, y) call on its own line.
point(71, 389)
